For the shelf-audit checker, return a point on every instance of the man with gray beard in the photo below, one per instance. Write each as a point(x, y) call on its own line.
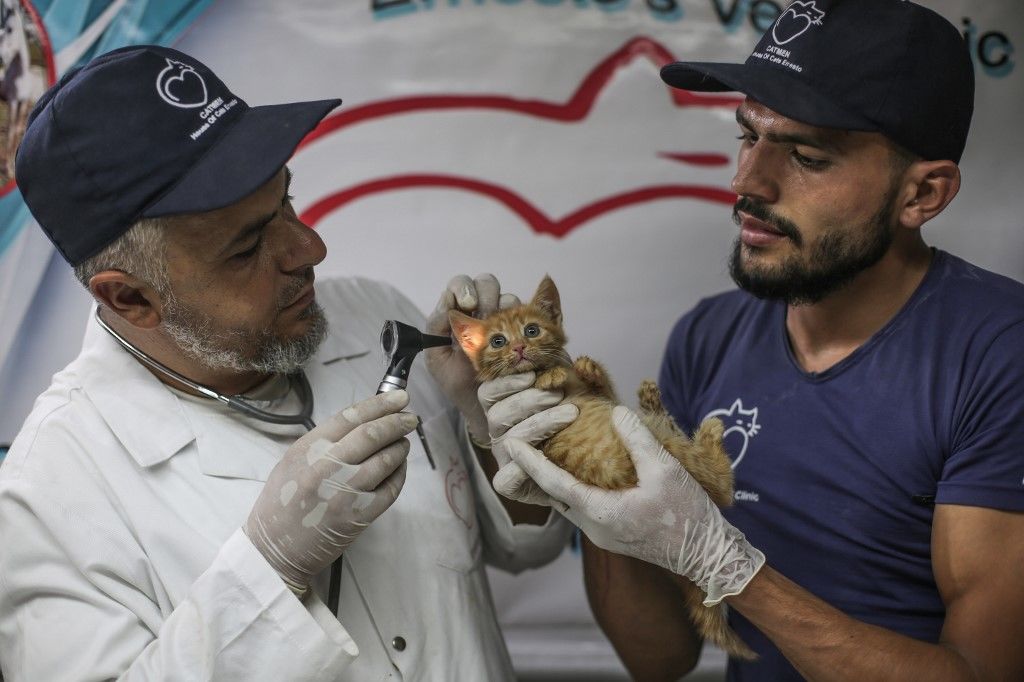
point(164, 513)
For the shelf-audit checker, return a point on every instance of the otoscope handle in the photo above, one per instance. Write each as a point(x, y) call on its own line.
point(397, 375)
point(390, 383)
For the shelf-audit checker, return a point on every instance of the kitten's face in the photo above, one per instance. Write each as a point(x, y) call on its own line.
point(524, 338)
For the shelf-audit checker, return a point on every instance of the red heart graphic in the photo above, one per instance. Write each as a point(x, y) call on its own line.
point(575, 109)
point(456, 490)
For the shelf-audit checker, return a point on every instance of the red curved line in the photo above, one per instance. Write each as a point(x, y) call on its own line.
point(575, 109)
point(540, 223)
point(44, 41)
point(51, 68)
point(696, 159)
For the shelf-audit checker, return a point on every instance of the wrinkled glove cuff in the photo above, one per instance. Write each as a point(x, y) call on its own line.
point(736, 568)
point(717, 557)
point(299, 591)
point(481, 445)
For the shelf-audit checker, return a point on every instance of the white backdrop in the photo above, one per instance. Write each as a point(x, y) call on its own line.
point(524, 137)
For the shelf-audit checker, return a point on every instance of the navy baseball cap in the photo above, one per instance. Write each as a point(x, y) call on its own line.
point(887, 66)
point(142, 132)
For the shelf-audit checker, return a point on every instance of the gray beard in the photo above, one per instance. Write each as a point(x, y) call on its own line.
point(241, 350)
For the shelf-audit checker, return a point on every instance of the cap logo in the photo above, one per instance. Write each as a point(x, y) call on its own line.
point(797, 18)
point(181, 86)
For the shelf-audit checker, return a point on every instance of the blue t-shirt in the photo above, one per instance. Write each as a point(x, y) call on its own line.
point(836, 471)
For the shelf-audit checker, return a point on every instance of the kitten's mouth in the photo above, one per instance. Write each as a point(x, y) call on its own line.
point(523, 365)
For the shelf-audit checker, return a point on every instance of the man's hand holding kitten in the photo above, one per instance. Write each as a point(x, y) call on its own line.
point(477, 296)
point(518, 412)
point(667, 519)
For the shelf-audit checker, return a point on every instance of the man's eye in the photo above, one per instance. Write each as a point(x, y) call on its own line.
point(497, 341)
point(531, 330)
point(747, 138)
point(808, 162)
point(249, 253)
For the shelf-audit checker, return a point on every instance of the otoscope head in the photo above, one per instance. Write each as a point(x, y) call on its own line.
point(401, 343)
point(399, 338)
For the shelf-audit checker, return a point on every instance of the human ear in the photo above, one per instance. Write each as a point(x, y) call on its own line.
point(930, 185)
point(127, 296)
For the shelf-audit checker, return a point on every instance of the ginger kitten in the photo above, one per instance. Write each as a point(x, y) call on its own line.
point(530, 337)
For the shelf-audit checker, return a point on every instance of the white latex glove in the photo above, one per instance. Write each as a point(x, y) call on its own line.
point(330, 485)
point(517, 411)
point(667, 519)
point(451, 369)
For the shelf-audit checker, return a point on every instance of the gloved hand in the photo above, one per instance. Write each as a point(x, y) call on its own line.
point(330, 485)
point(667, 519)
point(517, 411)
point(449, 365)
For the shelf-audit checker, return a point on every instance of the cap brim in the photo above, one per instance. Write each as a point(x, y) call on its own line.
point(770, 86)
point(248, 155)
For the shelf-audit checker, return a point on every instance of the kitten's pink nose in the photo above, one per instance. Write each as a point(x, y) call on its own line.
point(519, 348)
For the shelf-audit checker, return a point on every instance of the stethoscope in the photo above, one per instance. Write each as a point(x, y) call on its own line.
point(298, 382)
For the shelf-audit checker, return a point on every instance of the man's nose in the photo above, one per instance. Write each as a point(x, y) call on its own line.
point(757, 174)
point(303, 247)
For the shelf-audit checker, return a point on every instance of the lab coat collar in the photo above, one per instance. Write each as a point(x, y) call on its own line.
point(340, 344)
point(148, 418)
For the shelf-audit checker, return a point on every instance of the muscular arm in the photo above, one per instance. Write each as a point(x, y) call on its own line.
point(977, 555)
point(640, 609)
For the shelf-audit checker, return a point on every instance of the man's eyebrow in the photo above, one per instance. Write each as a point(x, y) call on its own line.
point(803, 139)
point(258, 224)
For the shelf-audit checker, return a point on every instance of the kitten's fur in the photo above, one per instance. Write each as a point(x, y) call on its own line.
point(589, 448)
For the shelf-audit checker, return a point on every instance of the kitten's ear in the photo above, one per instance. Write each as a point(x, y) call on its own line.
point(469, 332)
point(547, 299)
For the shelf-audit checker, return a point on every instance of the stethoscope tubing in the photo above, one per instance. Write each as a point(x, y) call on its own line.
point(303, 417)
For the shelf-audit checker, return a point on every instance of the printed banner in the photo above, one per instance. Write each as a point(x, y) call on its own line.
point(524, 137)
point(39, 41)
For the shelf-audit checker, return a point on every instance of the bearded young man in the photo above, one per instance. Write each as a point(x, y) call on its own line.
point(151, 532)
point(872, 387)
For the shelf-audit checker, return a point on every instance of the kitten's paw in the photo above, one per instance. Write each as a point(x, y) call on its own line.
point(589, 370)
point(552, 379)
point(593, 375)
point(711, 432)
point(650, 397)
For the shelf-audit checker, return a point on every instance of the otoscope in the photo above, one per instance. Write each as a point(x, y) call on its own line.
point(401, 343)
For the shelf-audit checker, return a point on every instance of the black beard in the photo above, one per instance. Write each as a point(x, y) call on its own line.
point(837, 257)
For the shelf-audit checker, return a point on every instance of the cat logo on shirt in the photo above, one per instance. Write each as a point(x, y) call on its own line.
point(740, 426)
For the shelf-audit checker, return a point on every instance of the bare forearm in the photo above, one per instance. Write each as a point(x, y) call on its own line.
point(639, 607)
point(823, 643)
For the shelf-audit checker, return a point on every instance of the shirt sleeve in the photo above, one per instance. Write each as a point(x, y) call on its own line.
point(672, 377)
point(985, 467)
point(512, 547)
point(76, 604)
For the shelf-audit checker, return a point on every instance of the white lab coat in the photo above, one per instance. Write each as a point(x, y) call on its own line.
point(121, 554)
